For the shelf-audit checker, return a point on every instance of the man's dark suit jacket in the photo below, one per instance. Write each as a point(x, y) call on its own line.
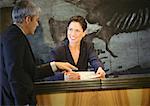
point(87, 54)
point(18, 69)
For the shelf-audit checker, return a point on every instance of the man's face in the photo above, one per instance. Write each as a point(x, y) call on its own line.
point(33, 22)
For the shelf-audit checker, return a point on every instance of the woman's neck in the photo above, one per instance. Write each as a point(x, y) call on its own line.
point(74, 46)
point(75, 51)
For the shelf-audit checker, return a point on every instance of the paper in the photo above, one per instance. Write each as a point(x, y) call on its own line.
point(94, 76)
point(86, 75)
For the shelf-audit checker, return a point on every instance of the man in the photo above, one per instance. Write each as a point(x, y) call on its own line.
point(17, 66)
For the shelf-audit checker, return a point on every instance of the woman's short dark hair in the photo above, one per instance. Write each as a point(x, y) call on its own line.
point(79, 19)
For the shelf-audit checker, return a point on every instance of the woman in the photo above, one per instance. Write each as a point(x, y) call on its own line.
point(76, 50)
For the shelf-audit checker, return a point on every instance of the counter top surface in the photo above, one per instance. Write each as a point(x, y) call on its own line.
point(113, 82)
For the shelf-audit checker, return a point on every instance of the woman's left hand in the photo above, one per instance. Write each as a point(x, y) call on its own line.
point(101, 73)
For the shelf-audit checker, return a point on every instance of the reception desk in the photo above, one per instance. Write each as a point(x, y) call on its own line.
point(121, 91)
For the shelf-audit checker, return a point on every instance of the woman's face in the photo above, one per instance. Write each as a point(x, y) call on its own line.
point(75, 33)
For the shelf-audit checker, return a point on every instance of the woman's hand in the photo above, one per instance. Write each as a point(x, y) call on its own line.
point(101, 73)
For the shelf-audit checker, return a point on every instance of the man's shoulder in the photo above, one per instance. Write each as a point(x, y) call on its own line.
point(12, 30)
point(11, 33)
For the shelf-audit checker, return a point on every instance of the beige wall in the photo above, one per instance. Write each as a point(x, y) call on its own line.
point(5, 18)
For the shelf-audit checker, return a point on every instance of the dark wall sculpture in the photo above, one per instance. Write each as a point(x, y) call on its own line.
point(116, 16)
point(57, 29)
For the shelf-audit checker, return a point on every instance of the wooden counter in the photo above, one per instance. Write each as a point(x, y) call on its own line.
point(123, 91)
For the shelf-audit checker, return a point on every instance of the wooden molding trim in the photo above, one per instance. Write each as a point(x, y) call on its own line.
point(105, 84)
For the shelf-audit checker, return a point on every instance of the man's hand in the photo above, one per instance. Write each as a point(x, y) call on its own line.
point(65, 66)
point(71, 76)
point(101, 73)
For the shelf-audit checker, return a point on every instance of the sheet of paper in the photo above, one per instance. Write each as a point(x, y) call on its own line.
point(86, 75)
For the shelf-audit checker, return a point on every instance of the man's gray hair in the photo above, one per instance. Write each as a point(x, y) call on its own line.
point(24, 8)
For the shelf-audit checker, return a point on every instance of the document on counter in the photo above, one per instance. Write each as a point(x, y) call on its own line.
point(84, 75)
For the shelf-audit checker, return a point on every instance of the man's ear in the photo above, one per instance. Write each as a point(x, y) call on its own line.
point(27, 19)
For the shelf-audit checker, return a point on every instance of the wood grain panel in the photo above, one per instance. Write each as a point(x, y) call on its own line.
point(126, 97)
point(145, 97)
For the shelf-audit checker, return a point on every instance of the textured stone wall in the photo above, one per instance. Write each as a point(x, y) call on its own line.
point(132, 49)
